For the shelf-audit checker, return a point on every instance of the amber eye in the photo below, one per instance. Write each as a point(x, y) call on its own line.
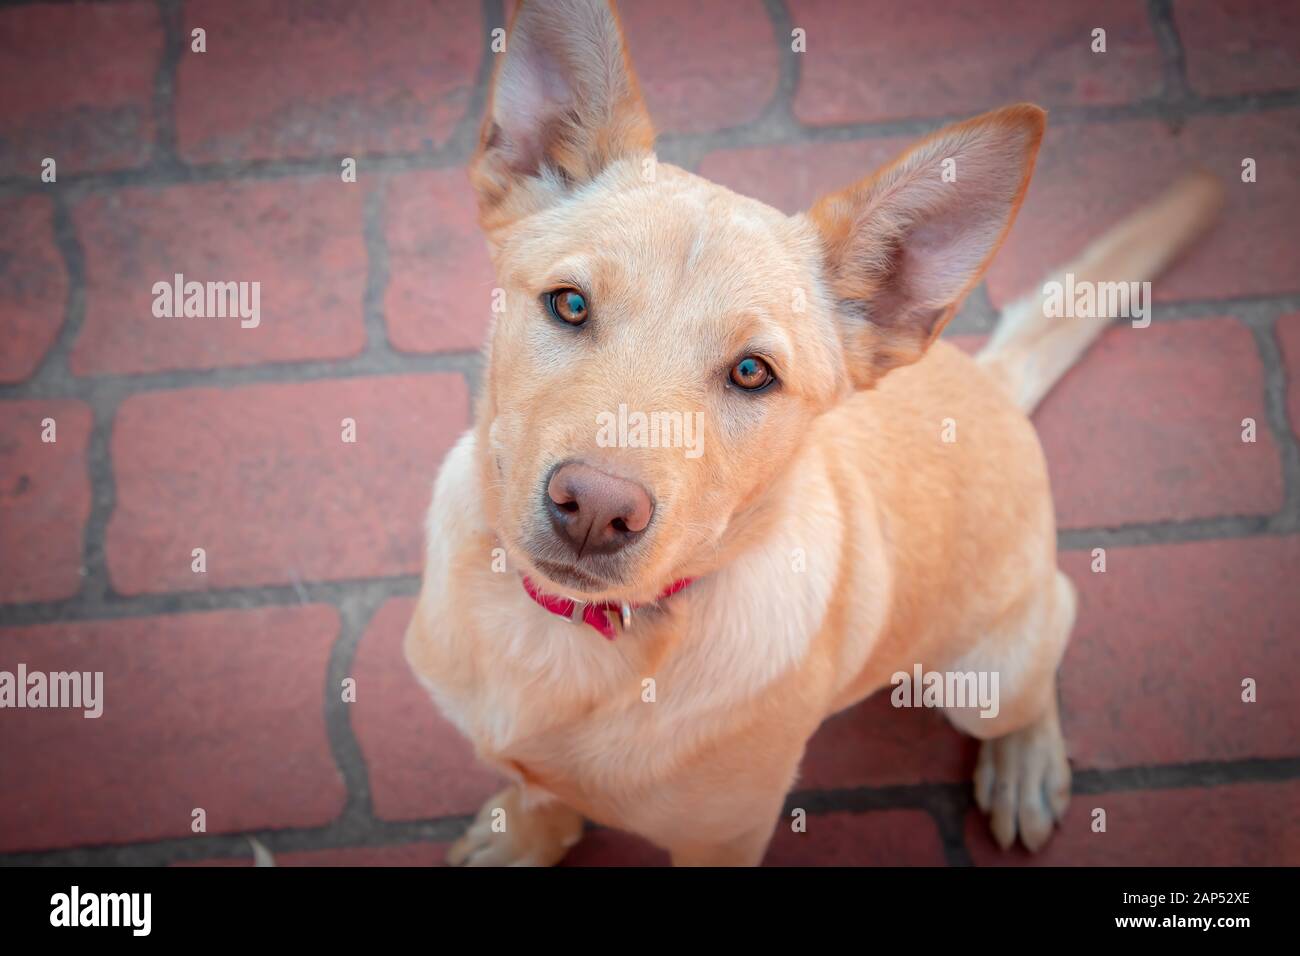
point(567, 305)
point(751, 374)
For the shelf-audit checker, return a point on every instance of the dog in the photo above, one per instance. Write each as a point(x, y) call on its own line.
point(646, 639)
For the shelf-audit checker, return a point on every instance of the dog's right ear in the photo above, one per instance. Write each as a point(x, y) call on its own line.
point(564, 105)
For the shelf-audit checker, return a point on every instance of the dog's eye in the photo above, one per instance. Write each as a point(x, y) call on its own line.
point(567, 305)
point(751, 374)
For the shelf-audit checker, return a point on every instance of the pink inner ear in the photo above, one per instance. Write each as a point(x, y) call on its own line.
point(530, 93)
point(946, 230)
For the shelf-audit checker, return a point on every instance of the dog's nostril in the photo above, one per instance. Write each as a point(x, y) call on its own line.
point(569, 506)
point(618, 524)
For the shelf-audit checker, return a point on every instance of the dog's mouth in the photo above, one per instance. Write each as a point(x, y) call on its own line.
point(570, 577)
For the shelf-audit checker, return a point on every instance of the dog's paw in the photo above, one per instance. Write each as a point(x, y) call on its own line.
point(1022, 781)
point(514, 830)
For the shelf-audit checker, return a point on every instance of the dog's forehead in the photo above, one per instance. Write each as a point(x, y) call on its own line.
point(675, 232)
point(698, 217)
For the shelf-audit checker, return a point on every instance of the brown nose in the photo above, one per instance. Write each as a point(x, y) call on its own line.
point(595, 512)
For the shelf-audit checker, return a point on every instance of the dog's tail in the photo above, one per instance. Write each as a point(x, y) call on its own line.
point(1030, 349)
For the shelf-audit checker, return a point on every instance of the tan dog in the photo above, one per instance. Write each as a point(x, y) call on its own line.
point(830, 535)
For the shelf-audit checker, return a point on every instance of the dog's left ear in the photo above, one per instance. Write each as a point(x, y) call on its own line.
point(564, 105)
point(903, 247)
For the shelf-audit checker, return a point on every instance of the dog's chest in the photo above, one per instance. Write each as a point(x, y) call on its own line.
point(554, 704)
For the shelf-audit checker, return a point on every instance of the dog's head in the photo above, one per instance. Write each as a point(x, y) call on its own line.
point(662, 345)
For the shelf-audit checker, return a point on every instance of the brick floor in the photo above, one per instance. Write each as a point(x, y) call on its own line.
point(307, 78)
point(262, 478)
point(200, 711)
point(1230, 51)
point(1251, 824)
point(876, 745)
point(300, 240)
point(33, 286)
point(1090, 175)
point(895, 837)
point(440, 279)
point(80, 106)
point(1288, 331)
point(180, 433)
point(884, 59)
point(1153, 678)
point(687, 53)
point(1146, 414)
point(44, 498)
point(419, 765)
point(403, 854)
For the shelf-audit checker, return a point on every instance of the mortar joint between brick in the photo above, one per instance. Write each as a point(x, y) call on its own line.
point(377, 274)
point(1276, 386)
point(1175, 91)
point(171, 16)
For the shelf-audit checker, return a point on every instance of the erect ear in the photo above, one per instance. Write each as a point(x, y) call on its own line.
point(903, 247)
point(564, 105)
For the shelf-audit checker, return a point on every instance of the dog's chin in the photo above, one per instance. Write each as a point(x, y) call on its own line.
point(570, 579)
point(590, 578)
point(585, 580)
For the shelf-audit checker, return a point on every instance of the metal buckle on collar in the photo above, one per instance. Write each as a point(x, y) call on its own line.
point(580, 608)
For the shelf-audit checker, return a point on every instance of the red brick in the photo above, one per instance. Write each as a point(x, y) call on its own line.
point(218, 710)
point(792, 177)
point(419, 764)
point(1153, 672)
point(1288, 333)
point(875, 744)
point(702, 66)
point(1240, 48)
point(260, 477)
point(44, 499)
point(1148, 428)
point(439, 296)
point(33, 286)
point(419, 853)
point(301, 239)
point(81, 79)
point(325, 77)
point(601, 847)
point(1090, 175)
point(884, 59)
point(1248, 824)
point(880, 838)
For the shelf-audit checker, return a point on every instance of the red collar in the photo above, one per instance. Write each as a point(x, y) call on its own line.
point(597, 614)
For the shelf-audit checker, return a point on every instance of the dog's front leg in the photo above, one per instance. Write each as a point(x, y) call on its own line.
point(729, 821)
point(520, 826)
point(747, 849)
